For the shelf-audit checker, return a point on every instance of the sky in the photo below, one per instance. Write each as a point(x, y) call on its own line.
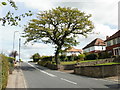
point(104, 17)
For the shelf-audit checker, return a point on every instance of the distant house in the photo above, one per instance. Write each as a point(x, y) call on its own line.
point(113, 43)
point(96, 45)
point(73, 51)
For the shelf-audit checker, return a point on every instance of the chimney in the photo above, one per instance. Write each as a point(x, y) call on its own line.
point(107, 37)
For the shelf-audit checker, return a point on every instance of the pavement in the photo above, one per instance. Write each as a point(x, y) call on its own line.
point(16, 79)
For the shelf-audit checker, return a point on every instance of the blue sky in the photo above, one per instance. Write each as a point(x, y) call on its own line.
point(104, 16)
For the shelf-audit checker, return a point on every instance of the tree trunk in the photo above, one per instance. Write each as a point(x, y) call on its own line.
point(57, 61)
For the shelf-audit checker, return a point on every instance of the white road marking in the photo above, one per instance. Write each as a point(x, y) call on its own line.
point(68, 81)
point(106, 80)
point(43, 71)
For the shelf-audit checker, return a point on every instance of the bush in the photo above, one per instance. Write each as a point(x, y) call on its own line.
point(81, 56)
point(46, 58)
point(6, 64)
point(63, 58)
point(4, 70)
point(44, 63)
point(91, 56)
point(103, 55)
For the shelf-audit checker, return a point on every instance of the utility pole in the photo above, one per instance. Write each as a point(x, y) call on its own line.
point(19, 47)
point(14, 40)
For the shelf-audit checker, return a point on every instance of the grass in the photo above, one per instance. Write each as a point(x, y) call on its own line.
point(74, 62)
point(68, 63)
point(111, 63)
point(88, 61)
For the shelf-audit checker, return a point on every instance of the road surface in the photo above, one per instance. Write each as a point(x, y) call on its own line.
point(40, 77)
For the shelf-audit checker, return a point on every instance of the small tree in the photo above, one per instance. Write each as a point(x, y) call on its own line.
point(35, 57)
point(81, 56)
point(13, 54)
point(60, 27)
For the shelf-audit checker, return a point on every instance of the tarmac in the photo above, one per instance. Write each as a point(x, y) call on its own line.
point(16, 79)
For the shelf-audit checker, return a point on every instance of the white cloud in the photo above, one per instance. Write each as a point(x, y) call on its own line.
point(101, 31)
point(35, 46)
point(37, 4)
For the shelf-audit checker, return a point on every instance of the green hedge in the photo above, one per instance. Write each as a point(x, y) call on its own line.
point(44, 63)
point(91, 56)
point(6, 63)
point(5, 69)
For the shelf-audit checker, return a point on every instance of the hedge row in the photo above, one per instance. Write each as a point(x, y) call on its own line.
point(6, 64)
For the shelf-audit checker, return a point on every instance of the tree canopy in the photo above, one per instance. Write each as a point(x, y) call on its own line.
point(59, 26)
point(35, 57)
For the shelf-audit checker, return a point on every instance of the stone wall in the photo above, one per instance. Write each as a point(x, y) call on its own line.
point(61, 67)
point(67, 67)
point(98, 71)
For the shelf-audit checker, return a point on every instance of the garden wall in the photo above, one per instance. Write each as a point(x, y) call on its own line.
point(98, 71)
point(61, 67)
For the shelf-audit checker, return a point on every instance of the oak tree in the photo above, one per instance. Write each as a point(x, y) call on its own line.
point(59, 26)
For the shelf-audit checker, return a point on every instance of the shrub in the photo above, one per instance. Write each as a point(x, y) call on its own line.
point(46, 58)
point(63, 58)
point(6, 63)
point(81, 56)
point(103, 55)
point(91, 56)
point(44, 63)
point(4, 70)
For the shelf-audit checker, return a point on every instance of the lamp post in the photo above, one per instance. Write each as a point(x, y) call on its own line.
point(19, 47)
point(14, 40)
point(14, 43)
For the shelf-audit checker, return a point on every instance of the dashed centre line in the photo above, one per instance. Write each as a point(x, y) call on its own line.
point(68, 81)
point(53, 75)
point(43, 71)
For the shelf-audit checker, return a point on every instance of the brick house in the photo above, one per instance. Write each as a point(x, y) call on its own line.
point(96, 45)
point(113, 43)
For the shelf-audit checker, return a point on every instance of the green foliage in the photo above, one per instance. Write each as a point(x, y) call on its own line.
point(35, 57)
point(59, 26)
point(6, 64)
point(63, 58)
point(10, 18)
point(46, 58)
point(4, 71)
point(44, 63)
point(92, 56)
point(4, 3)
point(105, 54)
point(81, 56)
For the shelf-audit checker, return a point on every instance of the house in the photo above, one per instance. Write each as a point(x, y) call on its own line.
point(73, 51)
point(96, 45)
point(113, 43)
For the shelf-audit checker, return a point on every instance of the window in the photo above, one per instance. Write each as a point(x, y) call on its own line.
point(118, 40)
point(109, 43)
point(114, 41)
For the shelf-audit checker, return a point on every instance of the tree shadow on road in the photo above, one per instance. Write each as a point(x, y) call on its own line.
point(114, 86)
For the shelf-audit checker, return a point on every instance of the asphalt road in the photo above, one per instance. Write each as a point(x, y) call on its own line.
point(40, 77)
